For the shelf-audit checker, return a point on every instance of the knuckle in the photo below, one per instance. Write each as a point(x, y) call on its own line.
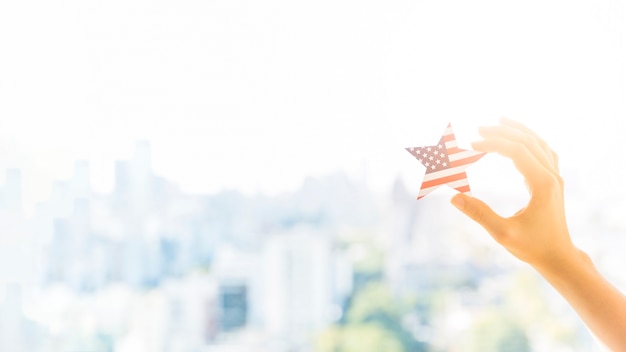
point(550, 183)
point(558, 178)
point(560, 181)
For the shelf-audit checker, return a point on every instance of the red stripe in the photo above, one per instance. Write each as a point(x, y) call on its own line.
point(463, 189)
point(448, 137)
point(466, 161)
point(442, 180)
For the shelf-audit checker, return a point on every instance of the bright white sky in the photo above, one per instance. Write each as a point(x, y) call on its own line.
point(256, 95)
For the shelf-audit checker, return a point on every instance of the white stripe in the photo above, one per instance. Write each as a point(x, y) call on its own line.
point(451, 144)
point(444, 173)
point(425, 191)
point(462, 155)
point(459, 183)
point(455, 184)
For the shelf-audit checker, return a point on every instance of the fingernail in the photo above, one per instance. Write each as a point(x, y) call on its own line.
point(458, 201)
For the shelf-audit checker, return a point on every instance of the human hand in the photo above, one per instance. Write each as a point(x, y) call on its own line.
point(536, 234)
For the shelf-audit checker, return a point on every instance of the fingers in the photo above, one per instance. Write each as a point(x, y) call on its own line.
point(481, 213)
point(521, 137)
point(521, 127)
point(530, 153)
point(525, 161)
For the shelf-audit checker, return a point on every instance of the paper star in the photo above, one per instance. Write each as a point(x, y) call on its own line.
point(445, 164)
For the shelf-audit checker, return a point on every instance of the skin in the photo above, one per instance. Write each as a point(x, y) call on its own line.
point(538, 233)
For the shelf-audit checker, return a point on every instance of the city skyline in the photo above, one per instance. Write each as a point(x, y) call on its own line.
point(249, 271)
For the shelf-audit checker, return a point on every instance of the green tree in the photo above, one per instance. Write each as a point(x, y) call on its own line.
point(497, 333)
point(373, 323)
point(358, 338)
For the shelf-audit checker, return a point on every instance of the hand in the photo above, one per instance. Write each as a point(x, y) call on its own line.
point(536, 234)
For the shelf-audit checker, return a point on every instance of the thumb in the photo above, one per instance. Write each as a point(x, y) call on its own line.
point(478, 211)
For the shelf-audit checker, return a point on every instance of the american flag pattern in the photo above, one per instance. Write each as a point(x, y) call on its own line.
point(445, 163)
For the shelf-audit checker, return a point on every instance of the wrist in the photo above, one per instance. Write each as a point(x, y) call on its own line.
point(565, 266)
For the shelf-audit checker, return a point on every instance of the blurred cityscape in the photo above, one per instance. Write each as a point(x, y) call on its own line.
point(329, 267)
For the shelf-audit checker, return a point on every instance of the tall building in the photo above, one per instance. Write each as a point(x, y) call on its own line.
point(12, 192)
point(122, 178)
point(134, 180)
point(240, 283)
point(233, 306)
point(81, 180)
point(141, 172)
point(17, 333)
point(62, 202)
point(301, 294)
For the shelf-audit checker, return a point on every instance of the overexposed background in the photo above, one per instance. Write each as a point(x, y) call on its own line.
point(270, 101)
point(256, 95)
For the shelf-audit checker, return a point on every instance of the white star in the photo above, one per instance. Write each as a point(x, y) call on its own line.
point(445, 164)
point(436, 152)
point(432, 167)
point(424, 155)
point(429, 148)
point(438, 161)
point(439, 146)
point(427, 164)
point(430, 157)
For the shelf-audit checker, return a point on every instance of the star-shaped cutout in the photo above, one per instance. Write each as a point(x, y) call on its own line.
point(445, 164)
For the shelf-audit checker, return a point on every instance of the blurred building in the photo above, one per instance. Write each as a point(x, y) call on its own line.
point(301, 290)
point(17, 333)
point(11, 192)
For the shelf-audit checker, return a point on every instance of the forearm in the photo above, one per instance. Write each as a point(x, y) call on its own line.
point(601, 305)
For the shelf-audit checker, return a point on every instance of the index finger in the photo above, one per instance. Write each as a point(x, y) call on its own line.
point(544, 145)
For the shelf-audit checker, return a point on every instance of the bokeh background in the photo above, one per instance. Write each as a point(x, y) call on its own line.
point(231, 175)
